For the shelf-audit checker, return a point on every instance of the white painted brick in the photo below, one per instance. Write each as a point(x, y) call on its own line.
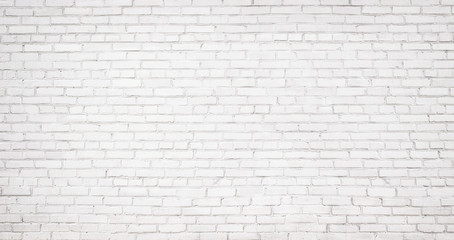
point(29, 3)
point(22, 29)
point(234, 119)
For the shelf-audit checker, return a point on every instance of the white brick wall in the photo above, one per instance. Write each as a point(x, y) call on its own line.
point(227, 119)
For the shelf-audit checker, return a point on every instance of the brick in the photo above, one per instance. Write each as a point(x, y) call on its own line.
point(234, 119)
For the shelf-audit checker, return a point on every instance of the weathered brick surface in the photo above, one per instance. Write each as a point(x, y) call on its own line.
point(226, 119)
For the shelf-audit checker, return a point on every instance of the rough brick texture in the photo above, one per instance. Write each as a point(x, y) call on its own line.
point(227, 119)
